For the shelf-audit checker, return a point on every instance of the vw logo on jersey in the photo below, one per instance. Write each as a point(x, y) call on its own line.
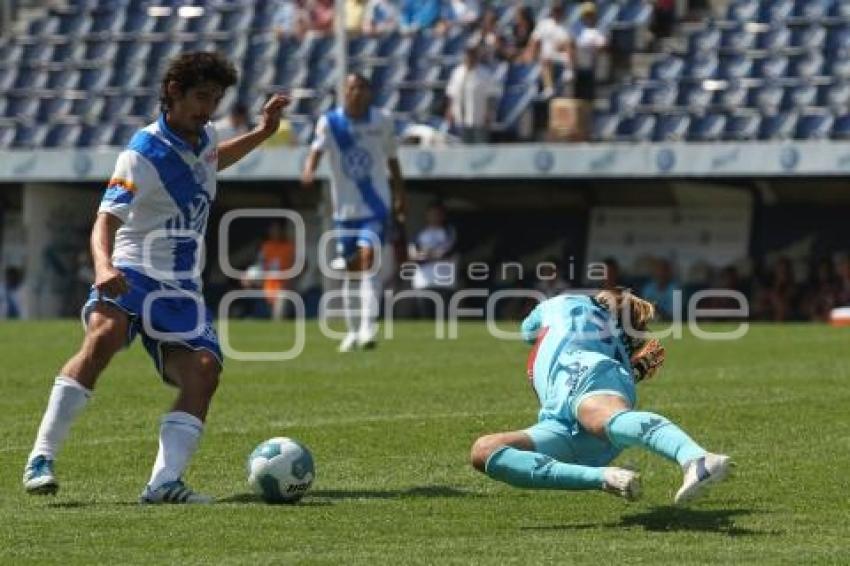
point(357, 163)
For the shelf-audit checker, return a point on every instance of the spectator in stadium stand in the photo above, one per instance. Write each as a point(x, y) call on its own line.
point(433, 250)
point(379, 17)
point(277, 253)
point(290, 19)
point(661, 289)
point(777, 300)
point(354, 13)
point(420, 14)
point(585, 45)
point(11, 291)
point(842, 269)
point(517, 44)
point(469, 91)
point(322, 16)
point(234, 124)
point(612, 274)
point(550, 46)
point(663, 19)
point(821, 294)
point(551, 282)
point(728, 278)
point(488, 38)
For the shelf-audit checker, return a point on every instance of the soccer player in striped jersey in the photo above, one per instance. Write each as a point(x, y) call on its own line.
point(367, 191)
point(146, 243)
point(587, 358)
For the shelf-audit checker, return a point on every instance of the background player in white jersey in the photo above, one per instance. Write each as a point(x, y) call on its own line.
point(146, 243)
point(366, 189)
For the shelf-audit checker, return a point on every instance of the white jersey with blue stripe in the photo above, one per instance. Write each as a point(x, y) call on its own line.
point(359, 150)
point(162, 190)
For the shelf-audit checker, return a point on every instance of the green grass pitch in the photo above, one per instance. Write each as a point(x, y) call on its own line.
point(391, 430)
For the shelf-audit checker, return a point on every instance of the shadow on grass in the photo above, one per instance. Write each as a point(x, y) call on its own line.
point(673, 519)
point(676, 519)
point(328, 496)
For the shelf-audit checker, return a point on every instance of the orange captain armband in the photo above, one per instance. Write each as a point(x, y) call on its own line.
point(532, 355)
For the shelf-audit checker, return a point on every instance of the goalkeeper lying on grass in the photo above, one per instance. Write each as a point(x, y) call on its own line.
point(584, 368)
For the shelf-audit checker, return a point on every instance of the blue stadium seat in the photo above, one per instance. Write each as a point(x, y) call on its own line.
point(138, 22)
point(840, 9)
point(122, 133)
point(707, 39)
point(637, 128)
point(767, 98)
point(841, 127)
point(838, 38)
point(812, 10)
point(63, 135)
point(238, 20)
point(361, 46)
point(632, 13)
point(672, 127)
point(95, 79)
point(838, 64)
point(107, 21)
point(778, 37)
point(670, 68)
point(417, 102)
point(772, 67)
point(742, 126)
point(703, 66)
point(147, 106)
point(812, 36)
point(695, 98)
point(7, 136)
point(737, 38)
point(778, 126)
point(392, 74)
point(63, 79)
point(605, 126)
point(626, 99)
point(800, 96)
point(810, 64)
point(29, 136)
point(394, 45)
point(89, 107)
point(836, 96)
point(29, 78)
point(814, 126)
point(426, 45)
point(776, 10)
point(455, 44)
point(736, 66)
point(743, 10)
point(116, 107)
point(52, 109)
point(22, 107)
point(210, 21)
point(37, 53)
point(661, 97)
point(522, 74)
point(708, 127)
point(733, 97)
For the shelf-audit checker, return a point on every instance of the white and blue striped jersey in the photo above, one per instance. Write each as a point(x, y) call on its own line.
point(359, 150)
point(162, 190)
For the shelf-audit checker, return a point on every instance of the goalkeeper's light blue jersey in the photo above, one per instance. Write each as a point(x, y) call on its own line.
point(579, 347)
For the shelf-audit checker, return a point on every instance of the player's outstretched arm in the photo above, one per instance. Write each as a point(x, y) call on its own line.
point(308, 175)
point(107, 279)
point(232, 150)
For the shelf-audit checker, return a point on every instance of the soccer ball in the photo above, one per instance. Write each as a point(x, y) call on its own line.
point(281, 470)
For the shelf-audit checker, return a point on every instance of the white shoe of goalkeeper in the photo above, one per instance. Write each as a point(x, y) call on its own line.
point(173, 492)
point(700, 473)
point(622, 482)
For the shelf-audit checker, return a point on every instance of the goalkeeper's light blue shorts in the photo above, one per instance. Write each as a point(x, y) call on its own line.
point(561, 385)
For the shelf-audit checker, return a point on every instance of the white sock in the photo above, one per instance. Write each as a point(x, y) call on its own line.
point(369, 291)
point(67, 399)
point(179, 434)
point(348, 304)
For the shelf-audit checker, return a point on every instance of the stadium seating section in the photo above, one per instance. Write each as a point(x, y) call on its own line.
point(87, 76)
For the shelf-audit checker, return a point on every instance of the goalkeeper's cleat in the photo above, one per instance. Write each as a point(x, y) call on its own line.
point(701, 473)
point(173, 492)
point(349, 343)
point(39, 478)
point(621, 482)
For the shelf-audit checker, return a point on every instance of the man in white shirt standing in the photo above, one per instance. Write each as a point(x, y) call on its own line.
point(550, 43)
point(469, 91)
point(367, 190)
point(585, 46)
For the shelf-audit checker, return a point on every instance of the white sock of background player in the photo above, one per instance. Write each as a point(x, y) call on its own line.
point(67, 399)
point(348, 286)
point(370, 290)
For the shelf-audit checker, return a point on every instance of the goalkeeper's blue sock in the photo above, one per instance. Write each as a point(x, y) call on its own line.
point(654, 432)
point(520, 468)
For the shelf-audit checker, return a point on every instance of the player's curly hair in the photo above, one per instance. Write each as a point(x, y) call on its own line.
point(628, 307)
point(194, 68)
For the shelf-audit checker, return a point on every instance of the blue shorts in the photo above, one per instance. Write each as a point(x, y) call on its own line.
point(179, 317)
point(359, 233)
point(581, 375)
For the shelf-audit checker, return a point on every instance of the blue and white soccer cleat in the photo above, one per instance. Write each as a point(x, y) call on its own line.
point(39, 478)
point(622, 482)
point(701, 473)
point(173, 492)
